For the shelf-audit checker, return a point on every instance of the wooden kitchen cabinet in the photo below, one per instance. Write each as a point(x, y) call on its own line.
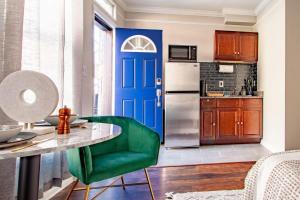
point(251, 120)
point(225, 45)
point(236, 46)
point(208, 120)
point(251, 123)
point(208, 125)
point(227, 124)
point(230, 121)
point(229, 103)
point(248, 47)
point(208, 103)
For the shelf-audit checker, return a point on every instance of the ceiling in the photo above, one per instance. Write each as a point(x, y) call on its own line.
point(209, 5)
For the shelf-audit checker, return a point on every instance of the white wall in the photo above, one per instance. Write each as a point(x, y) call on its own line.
point(292, 71)
point(278, 74)
point(182, 29)
point(83, 59)
point(271, 74)
point(82, 55)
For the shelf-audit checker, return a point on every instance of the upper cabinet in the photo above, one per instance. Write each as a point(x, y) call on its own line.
point(225, 45)
point(236, 46)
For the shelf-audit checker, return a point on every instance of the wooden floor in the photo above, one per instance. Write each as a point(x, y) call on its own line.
point(174, 179)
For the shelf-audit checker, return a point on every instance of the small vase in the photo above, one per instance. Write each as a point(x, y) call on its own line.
point(249, 91)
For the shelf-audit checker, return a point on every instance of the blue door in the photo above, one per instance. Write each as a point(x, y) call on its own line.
point(138, 75)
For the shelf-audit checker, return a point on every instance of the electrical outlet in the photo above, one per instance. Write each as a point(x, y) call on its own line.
point(221, 84)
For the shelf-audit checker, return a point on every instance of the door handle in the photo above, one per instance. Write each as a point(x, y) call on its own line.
point(158, 95)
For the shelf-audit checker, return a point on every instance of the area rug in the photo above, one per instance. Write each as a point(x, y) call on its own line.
point(213, 195)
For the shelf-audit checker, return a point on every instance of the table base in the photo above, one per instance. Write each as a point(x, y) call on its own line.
point(28, 186)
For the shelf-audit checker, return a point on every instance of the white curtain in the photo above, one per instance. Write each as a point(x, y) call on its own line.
point(47, 48)
point(11, 20)
point(58, 41)
point(11, 24)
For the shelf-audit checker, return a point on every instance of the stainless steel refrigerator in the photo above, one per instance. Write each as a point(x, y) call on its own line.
point(182, 105)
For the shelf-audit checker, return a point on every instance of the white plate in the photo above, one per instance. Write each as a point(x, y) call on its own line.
point(76, 123)
point(21, 138)
point(9, 131)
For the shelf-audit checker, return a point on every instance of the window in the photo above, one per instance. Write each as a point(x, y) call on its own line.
point(47, 43)
point(138, 43)
point(103, 48)
point(108, 6)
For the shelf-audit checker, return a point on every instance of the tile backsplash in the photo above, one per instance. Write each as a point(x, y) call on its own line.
point(210, 73)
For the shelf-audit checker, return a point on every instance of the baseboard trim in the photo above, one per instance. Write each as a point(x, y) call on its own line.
point(55, 190)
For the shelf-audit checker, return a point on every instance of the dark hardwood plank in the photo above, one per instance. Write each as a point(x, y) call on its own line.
point(208, 177)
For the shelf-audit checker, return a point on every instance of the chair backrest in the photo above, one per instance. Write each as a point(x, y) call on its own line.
point(119, 143)
point(143, 139)
point(138, 137)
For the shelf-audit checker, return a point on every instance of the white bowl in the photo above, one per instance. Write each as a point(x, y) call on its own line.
point(9, 131)
point(53, 119)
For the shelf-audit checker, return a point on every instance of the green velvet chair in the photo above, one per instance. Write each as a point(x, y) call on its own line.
point(137, 147)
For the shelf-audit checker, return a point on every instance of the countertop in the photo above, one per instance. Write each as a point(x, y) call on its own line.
point(233, 97)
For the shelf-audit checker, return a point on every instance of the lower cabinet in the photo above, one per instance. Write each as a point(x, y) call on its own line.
point(208, 126)
point(227, 124)
point(251, 123)
point(230, 121)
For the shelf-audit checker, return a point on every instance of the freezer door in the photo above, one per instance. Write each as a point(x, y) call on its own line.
point(182, 120)
point(182, 76)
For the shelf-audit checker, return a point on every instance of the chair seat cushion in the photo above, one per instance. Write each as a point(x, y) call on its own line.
point(119, 163)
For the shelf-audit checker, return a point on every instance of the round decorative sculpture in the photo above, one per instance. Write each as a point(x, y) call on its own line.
point(28, 96)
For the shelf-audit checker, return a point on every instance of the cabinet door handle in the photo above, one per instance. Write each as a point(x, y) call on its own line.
point(214, 124)
point(242, 123)
point(238, 53)
point(238, 123)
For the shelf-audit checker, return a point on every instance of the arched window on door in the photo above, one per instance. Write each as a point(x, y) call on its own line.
point(138, 43)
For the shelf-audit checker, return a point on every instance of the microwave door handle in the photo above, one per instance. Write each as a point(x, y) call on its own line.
point(190, 55)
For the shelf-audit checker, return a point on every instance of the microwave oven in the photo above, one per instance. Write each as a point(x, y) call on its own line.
point(182, 53)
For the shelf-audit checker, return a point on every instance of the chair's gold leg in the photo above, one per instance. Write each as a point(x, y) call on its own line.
point(123, 182)
point(149, 184)
point(87, 191)
point(73, 186)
